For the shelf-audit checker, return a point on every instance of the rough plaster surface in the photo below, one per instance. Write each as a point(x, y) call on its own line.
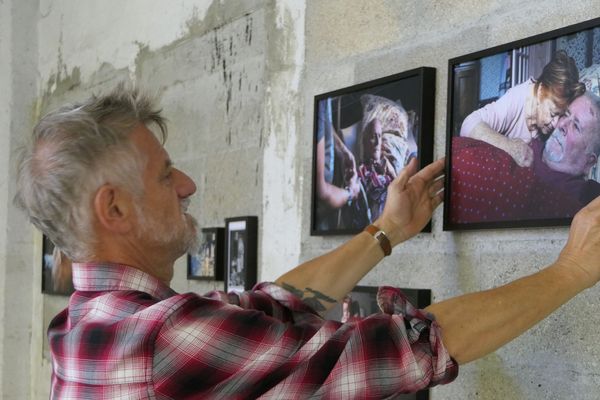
point(237, 81)
point(5, 114)
point(550, 361)
point(281, 222)
point(15, 242)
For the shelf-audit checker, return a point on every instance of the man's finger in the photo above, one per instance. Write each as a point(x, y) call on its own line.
point(406, 173)
point(594, 204)
point(437, 199)
point(432, 171)
point(436, 186)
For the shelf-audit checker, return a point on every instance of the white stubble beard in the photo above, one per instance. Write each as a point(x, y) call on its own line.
point(181, 237)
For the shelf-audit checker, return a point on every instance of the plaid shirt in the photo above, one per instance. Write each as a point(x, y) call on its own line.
point(126, 335)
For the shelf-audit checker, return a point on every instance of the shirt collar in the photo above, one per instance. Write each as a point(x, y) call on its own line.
point(109, 276)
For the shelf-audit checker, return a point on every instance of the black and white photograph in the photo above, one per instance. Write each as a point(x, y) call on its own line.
point(240, 265)
point(523, 133)
point(364, 136)
point(207, 264)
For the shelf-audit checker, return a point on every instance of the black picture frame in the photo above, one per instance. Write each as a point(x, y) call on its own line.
point(241, 248)
point(363, 302)
point(208, 263)
point(47, 264)
point(348, 114)
point(477, 195)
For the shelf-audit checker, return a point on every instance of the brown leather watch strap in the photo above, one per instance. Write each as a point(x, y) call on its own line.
point(381, 237)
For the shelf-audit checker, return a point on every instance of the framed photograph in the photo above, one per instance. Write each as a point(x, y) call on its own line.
point(523, 135)
point(241, 253)
point(362, 302)
point(55, 282)
point(364, 135)
point(208, 263)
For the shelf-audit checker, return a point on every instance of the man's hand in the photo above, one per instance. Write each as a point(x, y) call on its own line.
point(351, 175)
point(520, 151)
point(582, 251)
point(411, 199)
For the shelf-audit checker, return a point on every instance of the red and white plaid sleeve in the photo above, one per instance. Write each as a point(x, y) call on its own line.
point(267, 343)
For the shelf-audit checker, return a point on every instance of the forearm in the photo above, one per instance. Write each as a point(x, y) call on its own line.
point(476, 324)
point(335, 197)
point(411, 199)
point(483, 132)
point(328, 278)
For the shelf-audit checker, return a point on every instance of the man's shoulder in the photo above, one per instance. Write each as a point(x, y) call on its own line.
point(118, 305)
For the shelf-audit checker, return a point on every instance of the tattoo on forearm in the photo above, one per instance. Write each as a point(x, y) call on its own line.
point(311, 297)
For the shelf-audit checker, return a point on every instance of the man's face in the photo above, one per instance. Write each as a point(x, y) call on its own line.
point(163, 224)
point(568, 147)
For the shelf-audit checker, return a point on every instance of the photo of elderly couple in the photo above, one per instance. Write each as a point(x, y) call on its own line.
point(524, 133)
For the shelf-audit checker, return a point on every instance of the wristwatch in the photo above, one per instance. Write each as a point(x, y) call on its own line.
point(381, 237)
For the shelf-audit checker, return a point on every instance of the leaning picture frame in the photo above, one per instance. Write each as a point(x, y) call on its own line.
point(362, 302)
point(241, 245)
point(528, 93)
point(51, 282)
point(364, 135)
point(208, 262)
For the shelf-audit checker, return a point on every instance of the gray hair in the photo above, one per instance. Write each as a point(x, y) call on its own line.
point(75, 150)
point(594, 99)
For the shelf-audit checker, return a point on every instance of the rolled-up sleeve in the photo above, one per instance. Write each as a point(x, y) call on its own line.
point(267, 343)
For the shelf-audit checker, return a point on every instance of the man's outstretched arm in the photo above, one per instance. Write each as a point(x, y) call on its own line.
point(476, 324)
point(412, 197)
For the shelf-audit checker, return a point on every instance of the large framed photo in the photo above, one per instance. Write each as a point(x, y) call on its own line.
point(241, 253)
point(208, 263)
point(364, 135)
point(523, 131)
point(55, 281)
point(362, 302)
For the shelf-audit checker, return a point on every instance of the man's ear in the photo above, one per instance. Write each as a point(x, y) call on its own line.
point(113, 207)
point(592, 159)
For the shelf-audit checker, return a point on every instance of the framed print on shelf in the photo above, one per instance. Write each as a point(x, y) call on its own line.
point(207, 264)
point(59, 283)
point(364, 135)
point(522, 143)
point(241, 253)
point(362, 302)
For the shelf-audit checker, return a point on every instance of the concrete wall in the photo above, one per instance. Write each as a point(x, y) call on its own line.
point(18, 72)
point(237, 80)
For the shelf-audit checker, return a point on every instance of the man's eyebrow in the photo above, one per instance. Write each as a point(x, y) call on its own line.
point(592, 112)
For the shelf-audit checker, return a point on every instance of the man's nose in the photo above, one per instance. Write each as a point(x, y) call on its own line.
point(185, 185)
point(562, 122)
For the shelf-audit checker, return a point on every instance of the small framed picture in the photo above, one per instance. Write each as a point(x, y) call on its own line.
point(240, 253)
point(208, 263)
point(362, 302)
point(364, 136)
point(523, 147)
point(59, 281)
